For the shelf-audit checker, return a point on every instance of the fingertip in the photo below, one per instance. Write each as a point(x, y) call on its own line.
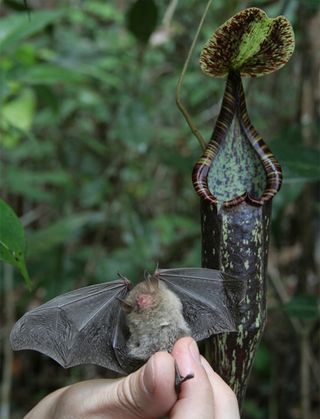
point(182, 344)
point(196, 394)
point(187, 356)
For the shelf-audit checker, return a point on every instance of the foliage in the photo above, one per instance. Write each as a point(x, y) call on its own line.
point(97, 160)
point(142, 19)
point(12, 240)
point(304, 307)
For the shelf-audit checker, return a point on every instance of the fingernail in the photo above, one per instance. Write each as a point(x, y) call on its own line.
point(148, 380)
point(194, 351)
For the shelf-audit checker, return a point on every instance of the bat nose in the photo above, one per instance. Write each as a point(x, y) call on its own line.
point(144, 301)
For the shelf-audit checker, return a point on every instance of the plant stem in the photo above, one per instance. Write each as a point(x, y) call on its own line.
point(8, 306)
point(180, 105)
point(304, 375)
point(169, 13)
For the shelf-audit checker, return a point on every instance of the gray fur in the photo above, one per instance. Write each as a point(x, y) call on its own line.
point(155, 328)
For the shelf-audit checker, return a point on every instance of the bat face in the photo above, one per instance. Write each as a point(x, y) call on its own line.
point(155, 318)
point(144, 296)
point(118, 328)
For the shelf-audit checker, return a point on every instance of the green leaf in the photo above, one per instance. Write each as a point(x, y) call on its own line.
point(12, 240)
point(103, 11)
point(47, 74)
point(142, 19)
point(304, 307)
point(16, 118)
point(18, 27)
point(19, 112)
point(32, 184)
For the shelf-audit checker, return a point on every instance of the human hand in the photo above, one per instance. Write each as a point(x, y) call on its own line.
point(147, 393)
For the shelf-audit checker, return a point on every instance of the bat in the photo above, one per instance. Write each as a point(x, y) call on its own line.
point(119, 327)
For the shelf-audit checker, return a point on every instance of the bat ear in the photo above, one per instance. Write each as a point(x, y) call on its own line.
point(126, 307)
point(156, 271)
point(156, 276)
point(152, 281)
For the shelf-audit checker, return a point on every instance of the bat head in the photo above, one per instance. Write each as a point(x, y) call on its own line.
point(144, 296)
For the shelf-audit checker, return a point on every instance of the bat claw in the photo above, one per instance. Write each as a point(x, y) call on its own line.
point(179, 379)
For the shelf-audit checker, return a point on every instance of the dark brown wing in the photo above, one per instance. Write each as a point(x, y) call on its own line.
point(210, 298)
point(80, 327)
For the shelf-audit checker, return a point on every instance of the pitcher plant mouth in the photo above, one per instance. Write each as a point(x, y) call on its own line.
point(236, 165)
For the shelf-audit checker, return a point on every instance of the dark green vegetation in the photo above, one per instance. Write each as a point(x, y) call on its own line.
point(12, 240)
point(97, 161)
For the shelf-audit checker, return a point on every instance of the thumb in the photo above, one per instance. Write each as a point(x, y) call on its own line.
point(148, 392)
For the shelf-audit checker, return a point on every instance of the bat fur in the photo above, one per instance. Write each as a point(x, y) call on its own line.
point(154, 317)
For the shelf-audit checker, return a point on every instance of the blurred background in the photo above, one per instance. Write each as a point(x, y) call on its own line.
point(96, 160)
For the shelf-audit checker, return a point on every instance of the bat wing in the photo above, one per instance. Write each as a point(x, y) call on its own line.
point(79, 327)
point(209, 297)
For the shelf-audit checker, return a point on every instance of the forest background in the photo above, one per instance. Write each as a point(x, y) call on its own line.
point(96, 160)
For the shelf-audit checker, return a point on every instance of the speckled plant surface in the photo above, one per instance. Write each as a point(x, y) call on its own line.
point(236, 179)
point(251, 43)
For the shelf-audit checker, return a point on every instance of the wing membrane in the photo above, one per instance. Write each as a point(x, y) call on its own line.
point(210, 298)
point(75, 328)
